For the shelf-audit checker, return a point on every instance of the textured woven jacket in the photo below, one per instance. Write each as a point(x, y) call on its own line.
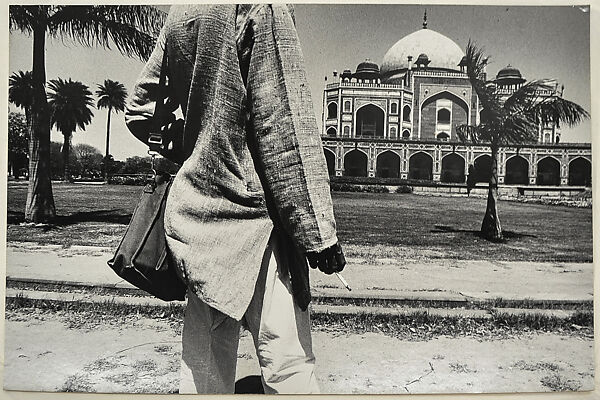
point(254, 156)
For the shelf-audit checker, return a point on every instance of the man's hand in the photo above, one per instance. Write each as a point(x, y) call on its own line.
point(329, 260)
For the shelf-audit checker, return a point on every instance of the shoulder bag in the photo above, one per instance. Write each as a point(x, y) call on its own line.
point(143, 258)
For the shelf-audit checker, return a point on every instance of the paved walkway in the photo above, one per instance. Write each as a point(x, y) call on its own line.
point(445, 280)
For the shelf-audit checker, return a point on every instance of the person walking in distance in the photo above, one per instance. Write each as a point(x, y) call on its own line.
point(250, 208)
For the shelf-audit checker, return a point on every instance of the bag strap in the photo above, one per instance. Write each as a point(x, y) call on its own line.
point(156, 137)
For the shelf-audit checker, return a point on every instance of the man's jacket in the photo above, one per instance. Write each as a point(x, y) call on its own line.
point(254, 155)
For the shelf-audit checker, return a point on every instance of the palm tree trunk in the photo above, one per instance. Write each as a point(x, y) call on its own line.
point(491, 228)
point(106, 161)
point(65, 155)
point(40, 202)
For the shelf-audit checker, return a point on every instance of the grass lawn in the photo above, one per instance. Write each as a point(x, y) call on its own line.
point(370, 225)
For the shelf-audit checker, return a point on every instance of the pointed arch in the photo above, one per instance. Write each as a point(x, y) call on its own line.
point(445, 94)
point(370, 119)
point(453, 168)
point(580, 172)
point(330, 159)
point(516, 171)
point(482, 165)
point(388, 165)
point(332, 110)
point(355, 163)
point(548, 171)
point(420, 166)
point(406, 113)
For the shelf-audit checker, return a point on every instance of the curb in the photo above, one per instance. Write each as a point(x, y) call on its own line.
point(315, 308)
point(384, 297)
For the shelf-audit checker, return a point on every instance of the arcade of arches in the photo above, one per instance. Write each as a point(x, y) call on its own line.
point(452, 166)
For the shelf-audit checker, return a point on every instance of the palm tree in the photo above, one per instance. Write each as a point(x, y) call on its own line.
point(20, 91)
point(132, 29)
point(111, 95)
point(69, 103)
point(510, 121)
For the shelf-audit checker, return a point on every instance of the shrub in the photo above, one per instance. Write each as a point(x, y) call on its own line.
point(135, 180)
point(404, 189)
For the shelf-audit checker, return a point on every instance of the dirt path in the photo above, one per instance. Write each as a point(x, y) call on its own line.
point(54, 351)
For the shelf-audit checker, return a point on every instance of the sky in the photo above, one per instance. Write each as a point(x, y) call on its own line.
point(541, 41)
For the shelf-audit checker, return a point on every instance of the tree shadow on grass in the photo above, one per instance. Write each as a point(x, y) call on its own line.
point(477, 233)
point(107, 216)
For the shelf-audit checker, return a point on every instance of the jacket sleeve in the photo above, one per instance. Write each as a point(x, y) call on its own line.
point(283, 132)
point(142, 102)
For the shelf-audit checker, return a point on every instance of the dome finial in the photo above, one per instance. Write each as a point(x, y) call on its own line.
point(425, 20)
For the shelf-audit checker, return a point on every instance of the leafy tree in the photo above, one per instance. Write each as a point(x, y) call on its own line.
point(57, 165)
point(89, 159)
point(18, 142)
point(111, 95)
point(20, 91)
point(142, 165)
point(136, 165)
point(132, 29)
point(509, 121)
point(70, 103)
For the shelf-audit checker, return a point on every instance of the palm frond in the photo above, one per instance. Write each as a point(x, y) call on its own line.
point(70, 103)
point(112, 95)
point(557, 110)
point(473, 133)
point(20, 89)
point(517, 128)
point(24, 18)
point(476, 63)
point(132, 29)
point(530, 94)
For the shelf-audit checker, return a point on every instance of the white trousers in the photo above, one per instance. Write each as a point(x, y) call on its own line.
point(281, 333)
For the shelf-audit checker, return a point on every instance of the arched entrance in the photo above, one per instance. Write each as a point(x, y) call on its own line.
point(420, 166)
point(483, 168)
point(355, 163)
point(580, 172)
point(388, 165)
point(332, 110)
point(548, 172)
point(331, 131)
point(330, 158)
point(369, 121)
point(453, 169)
point(517, 171)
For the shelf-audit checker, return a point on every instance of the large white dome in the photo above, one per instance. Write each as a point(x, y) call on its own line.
point(441, 50)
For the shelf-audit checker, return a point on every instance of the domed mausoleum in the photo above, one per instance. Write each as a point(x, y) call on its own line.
point(398, 120)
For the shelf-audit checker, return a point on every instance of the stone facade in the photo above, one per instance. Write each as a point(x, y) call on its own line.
point(401, 122)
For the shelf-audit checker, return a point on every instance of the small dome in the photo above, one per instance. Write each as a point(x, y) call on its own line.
point(367, 66)
point(422, 59)
point(509, 75)
point(367, 70)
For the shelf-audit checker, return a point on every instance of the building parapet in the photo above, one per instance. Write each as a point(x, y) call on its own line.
point(445, 74)
point(379, 140)
point(365, 85)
